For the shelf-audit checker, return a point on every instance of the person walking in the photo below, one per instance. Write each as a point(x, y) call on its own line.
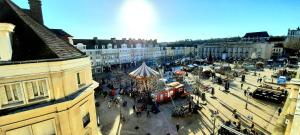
point(279, 111)
point(245, 92)
point(133, 107)
point(177, 126)
point(252, 125)
point(109, 104)
point(242, 84)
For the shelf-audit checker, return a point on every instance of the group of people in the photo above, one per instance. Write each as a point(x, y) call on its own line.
point(259, 79)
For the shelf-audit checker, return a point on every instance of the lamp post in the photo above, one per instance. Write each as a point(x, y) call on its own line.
point(247, 95)
point(214, 115)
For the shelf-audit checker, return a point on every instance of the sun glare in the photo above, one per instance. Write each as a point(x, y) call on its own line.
point(137, 17)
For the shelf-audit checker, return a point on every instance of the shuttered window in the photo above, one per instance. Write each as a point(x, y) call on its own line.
point(11, 94)
point(36, 89)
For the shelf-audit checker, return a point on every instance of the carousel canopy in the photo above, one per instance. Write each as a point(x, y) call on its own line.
point(144, 72)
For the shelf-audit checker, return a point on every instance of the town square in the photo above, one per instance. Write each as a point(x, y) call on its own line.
point(149, 67)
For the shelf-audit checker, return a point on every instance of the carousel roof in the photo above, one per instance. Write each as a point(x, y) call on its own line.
point(144, 72)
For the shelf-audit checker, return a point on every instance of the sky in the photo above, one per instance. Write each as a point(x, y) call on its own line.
point(169, 20)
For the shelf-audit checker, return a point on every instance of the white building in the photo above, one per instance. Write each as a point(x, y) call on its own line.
point(105, 53)
point(294, 33)
point(235, 50)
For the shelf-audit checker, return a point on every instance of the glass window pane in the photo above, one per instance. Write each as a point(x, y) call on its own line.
point(15, 92)
point(78, 79)
point(8, 92)
point(41, 88)
point(35, 89)
point(29, 89)
point(19, 91)
point(3, 96)
point(45, 88)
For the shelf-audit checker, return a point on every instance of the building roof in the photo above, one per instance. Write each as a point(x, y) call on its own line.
point(60, 33)
point(277, 39)
point(256, 34)
point(131, 43)
point(34, 41)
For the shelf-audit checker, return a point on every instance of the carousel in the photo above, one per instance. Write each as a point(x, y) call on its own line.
point(144, 76)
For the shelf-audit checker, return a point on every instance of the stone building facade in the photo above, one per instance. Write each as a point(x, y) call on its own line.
point(46, 85)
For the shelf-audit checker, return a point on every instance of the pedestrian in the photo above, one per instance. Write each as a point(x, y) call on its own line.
point(242, 84)
point(279, 111)
point(133, 107)
point(252, 125)
point(260, 79)
point(239, 124)
point(109, 104)
point(177, 126)
point(245, 92)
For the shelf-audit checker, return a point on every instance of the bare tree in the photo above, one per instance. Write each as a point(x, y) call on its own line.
point(293, 43)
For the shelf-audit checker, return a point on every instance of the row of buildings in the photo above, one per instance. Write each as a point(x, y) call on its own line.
point(106, 53)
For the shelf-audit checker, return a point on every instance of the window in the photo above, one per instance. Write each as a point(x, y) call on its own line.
point(11, 94)
point(36, 89)
point(86, 120)
point(80, 78)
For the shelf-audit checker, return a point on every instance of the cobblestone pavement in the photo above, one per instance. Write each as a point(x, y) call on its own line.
point(264, 113)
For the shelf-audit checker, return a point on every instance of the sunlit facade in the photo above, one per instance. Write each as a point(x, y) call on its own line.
point(46, 85)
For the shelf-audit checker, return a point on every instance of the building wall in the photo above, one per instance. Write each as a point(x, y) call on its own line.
point(235, 50)
point(51, 116)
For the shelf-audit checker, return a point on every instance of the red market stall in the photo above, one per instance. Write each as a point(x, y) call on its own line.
point(173, 90)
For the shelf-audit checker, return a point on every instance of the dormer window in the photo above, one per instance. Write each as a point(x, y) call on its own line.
point(11, 94)
point(36, 89)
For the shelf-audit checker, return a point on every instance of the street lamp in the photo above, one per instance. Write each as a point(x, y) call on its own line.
point(247, 95)
point(214, 115)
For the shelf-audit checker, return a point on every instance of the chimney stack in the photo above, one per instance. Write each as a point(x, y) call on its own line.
point(5, 41)
point(36, 10)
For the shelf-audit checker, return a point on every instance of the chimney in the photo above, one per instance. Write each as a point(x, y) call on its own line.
point(5, 41)
point(36, 10)
point(113, 40)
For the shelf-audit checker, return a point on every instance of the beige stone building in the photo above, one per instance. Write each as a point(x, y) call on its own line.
point(46, 85)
